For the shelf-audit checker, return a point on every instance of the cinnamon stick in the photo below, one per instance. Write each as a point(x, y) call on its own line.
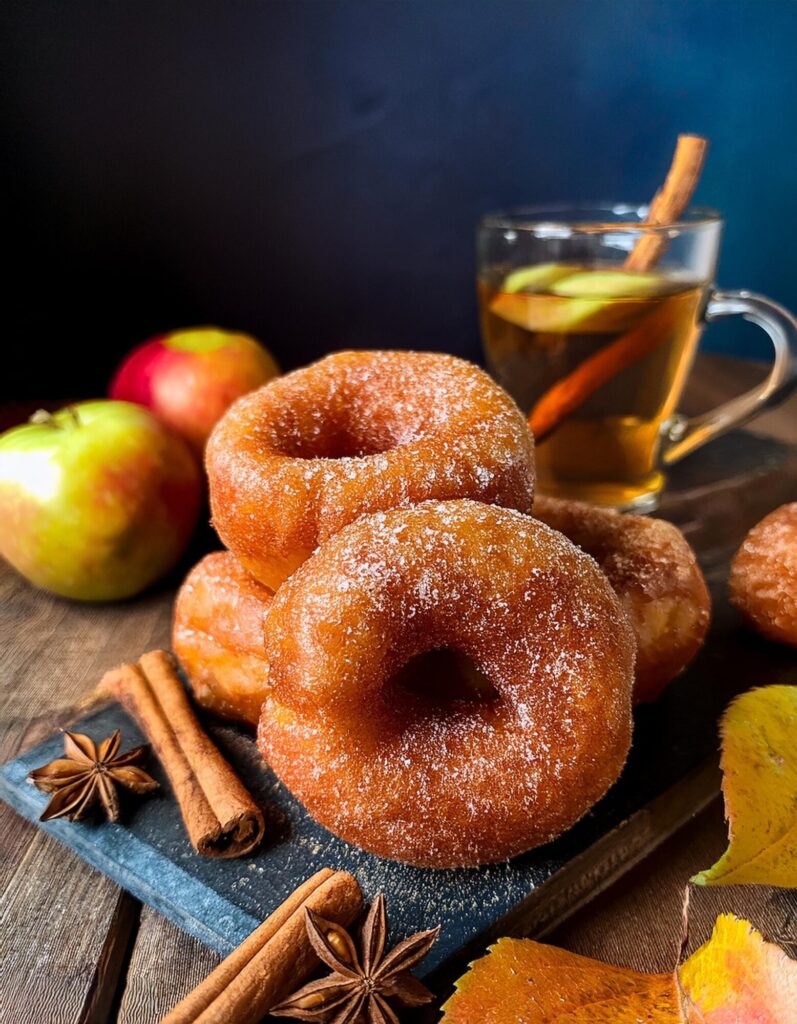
point(671, 200)
point(667, 206)
point(220, 816)
point(274, 960)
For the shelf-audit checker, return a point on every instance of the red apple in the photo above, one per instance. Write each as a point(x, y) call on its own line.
point(97, 500)
point(189, 378)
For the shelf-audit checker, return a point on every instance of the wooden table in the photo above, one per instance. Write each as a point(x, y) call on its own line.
point(75, 948)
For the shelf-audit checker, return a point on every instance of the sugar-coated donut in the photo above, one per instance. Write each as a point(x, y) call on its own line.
point(217, 635)
point(448, 781)
point(764, 575)
point(359, 432)
point(654, 572)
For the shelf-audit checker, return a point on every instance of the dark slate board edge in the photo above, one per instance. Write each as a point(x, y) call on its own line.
point(590, 872)
point(70, 835)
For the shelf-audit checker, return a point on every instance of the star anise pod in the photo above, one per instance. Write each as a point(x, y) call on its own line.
point(89, 775)
point(362, 981)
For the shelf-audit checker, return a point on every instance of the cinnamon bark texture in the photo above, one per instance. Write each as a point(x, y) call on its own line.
point(667, 206)
point(220, 816)
point(671, 200)
point(274, 959)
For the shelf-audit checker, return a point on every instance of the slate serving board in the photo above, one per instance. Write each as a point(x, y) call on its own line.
point(666, 780)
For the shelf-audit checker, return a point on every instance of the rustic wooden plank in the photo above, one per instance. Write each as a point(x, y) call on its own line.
point(165, 966)
point(58, 650)
point(16, 836)
point(64, 930)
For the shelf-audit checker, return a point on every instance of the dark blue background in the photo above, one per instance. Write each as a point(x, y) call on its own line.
point(312, 171)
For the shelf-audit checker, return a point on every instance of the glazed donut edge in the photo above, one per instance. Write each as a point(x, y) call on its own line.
point(217, 635)
point(656, 576)
point(763, 578)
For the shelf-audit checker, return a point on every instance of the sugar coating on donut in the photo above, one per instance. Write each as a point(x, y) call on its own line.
point(655, 574)
point(763, 581)
point(358, 432)
point(454, 781)
point(217, 635)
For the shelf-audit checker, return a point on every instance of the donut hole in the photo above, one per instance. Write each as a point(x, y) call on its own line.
point(443, 675)
point(334, 441)
point(369, 411)
point(334, 435)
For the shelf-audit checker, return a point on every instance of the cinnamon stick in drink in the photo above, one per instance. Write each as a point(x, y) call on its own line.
point(667, 206)
point(220, 816)
point(670, 201)
point(564, 397)
point(274, 960)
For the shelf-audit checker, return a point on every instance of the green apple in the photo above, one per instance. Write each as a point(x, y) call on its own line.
point(97, 501)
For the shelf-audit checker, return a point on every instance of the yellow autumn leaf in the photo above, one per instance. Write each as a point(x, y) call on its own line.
point(759, 766)
point(738, 978)
point(526, 982)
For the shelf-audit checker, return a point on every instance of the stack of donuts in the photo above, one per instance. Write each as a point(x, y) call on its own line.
point(378, 508)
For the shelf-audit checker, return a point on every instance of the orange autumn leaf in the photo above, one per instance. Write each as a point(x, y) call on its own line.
point(734, 978)
point(759, 765)
point(526, 982)
point(738, 978)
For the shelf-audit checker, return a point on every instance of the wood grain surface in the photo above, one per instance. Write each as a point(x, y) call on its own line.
point(166, 964)
point(75, 949)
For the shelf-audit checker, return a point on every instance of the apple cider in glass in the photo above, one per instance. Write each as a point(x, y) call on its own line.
point(551, 324)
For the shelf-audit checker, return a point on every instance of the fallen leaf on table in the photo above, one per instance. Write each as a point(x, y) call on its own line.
point(759, 766)
point(526, 982)
point(738, 978)
point(734, 978)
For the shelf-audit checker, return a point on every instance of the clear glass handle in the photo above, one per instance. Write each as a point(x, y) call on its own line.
point(687, 434)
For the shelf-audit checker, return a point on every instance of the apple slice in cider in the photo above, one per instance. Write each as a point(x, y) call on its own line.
point(610, 284)
point(562, 298)
point(537, 278)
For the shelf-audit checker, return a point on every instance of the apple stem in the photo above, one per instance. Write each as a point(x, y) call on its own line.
point(43, 417)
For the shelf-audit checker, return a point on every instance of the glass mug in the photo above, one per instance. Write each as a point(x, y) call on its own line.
point(598, 352)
